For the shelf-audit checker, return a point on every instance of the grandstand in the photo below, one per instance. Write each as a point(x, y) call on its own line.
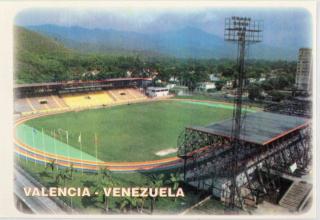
point(295, 107)
point(272, 146)
point(126, 94)
point(87, 99)
point(21, 105)
point(48, 97)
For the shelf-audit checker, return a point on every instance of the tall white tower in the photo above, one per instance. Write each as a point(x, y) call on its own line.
point(304, 71)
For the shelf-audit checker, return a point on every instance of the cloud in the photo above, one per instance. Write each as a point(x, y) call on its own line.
point(281, 25)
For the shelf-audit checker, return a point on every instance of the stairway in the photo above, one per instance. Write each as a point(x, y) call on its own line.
point(296, 196)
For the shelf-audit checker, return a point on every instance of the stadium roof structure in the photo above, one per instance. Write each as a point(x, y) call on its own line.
point(259, 128)
point(79, 82)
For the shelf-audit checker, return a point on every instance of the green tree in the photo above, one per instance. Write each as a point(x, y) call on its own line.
point(156, 181)
point(228, 72)
point(281, 81)
point(62, 175)
point(219, 85)
point(51, 165)
point(105, 180)
point(140, 203)
point(277, 96)
point(128, 203)
point(71, 170)
point(267, 85)
point(175, 180)
point(255, 91)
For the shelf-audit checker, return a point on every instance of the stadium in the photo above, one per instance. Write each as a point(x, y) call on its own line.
point(112, 124)
point(109, 123)
point(92, 119)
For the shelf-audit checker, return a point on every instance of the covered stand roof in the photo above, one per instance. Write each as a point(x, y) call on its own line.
point(259, 128)
point(34, 85)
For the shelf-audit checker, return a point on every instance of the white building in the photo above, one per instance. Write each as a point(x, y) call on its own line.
point(304, 70)
point(206, 85)
point(261, 79)
point(170, 85)
point(157, 91)
point(229, 84)
point(129, 73)
point(252, 80)
point(214, 78)
point(173, 79)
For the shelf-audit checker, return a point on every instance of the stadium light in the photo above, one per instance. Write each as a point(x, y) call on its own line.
point(244, 31)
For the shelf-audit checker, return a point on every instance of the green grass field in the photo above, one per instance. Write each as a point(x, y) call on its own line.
point(130, 132)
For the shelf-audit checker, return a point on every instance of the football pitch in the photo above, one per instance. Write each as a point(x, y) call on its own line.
point(127, 133)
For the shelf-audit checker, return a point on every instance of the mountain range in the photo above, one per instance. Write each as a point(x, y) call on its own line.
point(188, 42)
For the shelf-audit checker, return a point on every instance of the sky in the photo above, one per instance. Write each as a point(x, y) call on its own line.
point(280, 25)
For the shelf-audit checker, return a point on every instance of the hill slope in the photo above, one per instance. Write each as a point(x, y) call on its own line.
point(37, 57)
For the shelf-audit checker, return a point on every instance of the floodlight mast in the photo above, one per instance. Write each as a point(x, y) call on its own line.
point(243, 31)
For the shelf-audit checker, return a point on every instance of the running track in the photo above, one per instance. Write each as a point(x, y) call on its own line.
point(26, 152)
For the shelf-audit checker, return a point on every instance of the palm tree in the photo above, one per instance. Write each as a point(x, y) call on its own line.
point(62, 175)
point(104, 172)
point(52, 165)
point(128, 203)
point(71, 170)
point(175, 180)
point(124, 203)
point(140, 203)
point(100, 188)
point(156, 181)
point(105, 180)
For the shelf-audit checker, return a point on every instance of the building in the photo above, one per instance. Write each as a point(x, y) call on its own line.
point(229, 84)
point(157, 91)
point(304, 71)
point(180, 90)
point(212, 168)
point(170, 85)
point(214, 78)
point(204, 86)
point(173, 79)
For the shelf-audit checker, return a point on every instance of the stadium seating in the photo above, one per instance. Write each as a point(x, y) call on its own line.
point(45, 104)
point(87, 99)
point(137, 94)
point(125, 95)
point(59, 102)
point(21, 105)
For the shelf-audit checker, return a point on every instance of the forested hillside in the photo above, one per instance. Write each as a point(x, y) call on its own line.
point(39, 58)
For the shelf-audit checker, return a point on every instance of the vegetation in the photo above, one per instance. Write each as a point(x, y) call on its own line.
point(104, 178)
point(42, 59)
point(255, 91)
point(277, 96)
point(219, 85)
point(38, 58)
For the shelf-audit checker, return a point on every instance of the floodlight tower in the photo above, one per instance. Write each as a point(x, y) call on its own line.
point(243, 31)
